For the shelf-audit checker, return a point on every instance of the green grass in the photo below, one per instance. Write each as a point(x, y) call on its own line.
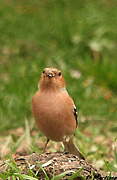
point(78, 37)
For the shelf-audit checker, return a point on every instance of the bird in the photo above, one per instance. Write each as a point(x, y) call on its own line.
point(54, 110)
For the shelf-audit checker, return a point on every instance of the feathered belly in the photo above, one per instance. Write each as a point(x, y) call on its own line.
point(55, 118)
point(52, 124)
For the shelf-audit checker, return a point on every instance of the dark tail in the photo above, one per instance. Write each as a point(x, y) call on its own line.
point(71, 148)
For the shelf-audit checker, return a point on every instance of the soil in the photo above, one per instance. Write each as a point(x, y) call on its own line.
point(54, 164)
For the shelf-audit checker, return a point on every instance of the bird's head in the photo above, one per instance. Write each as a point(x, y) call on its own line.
point(51, 78)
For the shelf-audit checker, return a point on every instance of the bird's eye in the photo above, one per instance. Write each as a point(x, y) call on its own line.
point(43, 72)
point(59, 73)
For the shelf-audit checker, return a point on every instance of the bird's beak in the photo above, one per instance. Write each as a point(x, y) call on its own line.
point(50, 75)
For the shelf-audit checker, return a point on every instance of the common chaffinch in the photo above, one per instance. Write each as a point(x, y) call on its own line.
point(54, 110)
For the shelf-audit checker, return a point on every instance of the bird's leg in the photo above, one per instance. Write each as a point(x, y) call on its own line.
point(46, 145)
point(66, 139)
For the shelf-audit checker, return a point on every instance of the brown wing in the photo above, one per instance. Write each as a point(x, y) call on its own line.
point(75, 115)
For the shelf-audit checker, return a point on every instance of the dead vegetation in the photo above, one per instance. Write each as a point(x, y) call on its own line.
point(54, 164)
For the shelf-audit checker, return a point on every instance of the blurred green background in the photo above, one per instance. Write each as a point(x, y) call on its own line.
point(80, 38)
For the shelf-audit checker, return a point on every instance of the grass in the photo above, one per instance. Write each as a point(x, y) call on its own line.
point(78, 37)
point(14, 172)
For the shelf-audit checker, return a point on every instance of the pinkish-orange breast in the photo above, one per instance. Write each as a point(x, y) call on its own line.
point(54, 114)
